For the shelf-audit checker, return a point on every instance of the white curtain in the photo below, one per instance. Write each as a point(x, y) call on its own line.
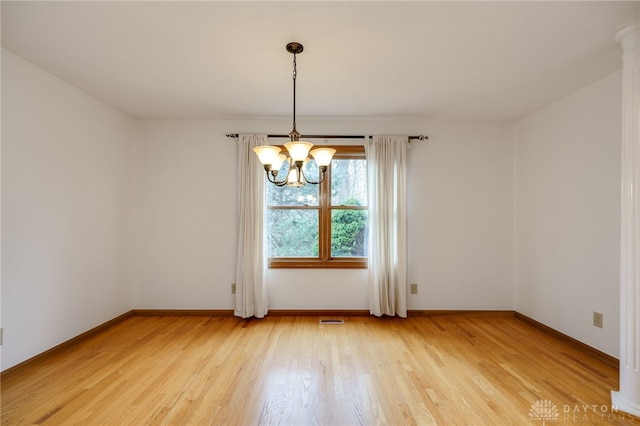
point(386, 177)
point(251, 272)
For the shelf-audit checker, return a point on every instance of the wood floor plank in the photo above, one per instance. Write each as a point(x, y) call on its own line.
point(291, 370)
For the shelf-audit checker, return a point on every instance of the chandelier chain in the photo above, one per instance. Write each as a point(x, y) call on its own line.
point(294, 67)
point(294, 96)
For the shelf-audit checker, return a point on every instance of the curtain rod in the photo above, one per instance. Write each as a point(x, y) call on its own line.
point(418, 137)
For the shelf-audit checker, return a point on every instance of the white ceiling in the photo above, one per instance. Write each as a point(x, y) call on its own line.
point(485, 61)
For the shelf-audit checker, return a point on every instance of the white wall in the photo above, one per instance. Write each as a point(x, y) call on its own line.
point(567, 213)
point(461, 218)
point(186, 216)
point(67, 210)
point(460, 213)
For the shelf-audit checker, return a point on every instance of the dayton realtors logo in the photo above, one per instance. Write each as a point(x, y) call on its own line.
point(544, 410)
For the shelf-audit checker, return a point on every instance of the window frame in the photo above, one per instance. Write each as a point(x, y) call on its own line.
point(324, 260)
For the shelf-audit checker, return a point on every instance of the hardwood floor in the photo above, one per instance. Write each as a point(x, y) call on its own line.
point(445, 370)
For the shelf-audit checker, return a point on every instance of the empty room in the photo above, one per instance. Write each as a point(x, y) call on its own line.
point(320, 213)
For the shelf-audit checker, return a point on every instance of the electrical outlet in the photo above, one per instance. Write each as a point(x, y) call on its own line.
point(1, 335)
point(233, 288)
point(597, 319)
point(414, 288)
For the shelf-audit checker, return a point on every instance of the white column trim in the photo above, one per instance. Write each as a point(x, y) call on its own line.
point(627, 399)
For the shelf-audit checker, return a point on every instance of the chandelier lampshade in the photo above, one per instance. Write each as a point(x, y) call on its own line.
point(298, 150)
point(267, 154)
point(323, 156)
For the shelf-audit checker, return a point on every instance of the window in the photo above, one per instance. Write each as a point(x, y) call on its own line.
point(325, 225)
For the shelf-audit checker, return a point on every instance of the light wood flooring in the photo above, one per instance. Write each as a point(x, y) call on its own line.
point(195, 370)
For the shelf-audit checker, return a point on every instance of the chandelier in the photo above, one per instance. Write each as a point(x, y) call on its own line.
point(271, 158)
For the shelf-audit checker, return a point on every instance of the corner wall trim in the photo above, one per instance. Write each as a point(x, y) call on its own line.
point(319, 313)
point(182, 312)
point(66, 345)
point(589, 350)
point(431, 313)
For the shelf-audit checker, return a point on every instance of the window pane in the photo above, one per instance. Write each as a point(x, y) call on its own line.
point(349, 233)
point(349, 182)
point(306, 195)
point(292, 233)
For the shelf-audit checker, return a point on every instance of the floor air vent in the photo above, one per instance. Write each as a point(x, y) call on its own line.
point(331, 321)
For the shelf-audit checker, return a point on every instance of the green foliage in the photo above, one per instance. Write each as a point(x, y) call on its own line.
point(348, 231)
